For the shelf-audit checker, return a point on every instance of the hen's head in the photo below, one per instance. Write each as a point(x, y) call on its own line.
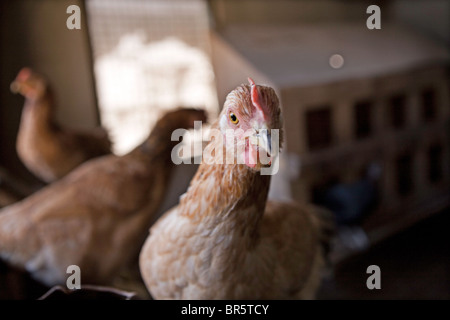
point(29, 84)
point(253, 114)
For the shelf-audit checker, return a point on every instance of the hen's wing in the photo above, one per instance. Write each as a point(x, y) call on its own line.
point(298, 238)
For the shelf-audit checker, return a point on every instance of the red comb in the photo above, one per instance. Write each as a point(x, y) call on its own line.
point(24, 74)
point(255, 95)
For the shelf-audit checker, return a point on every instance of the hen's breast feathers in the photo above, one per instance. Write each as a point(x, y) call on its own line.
point(209, 247)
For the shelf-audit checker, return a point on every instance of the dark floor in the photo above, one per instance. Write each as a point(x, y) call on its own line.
point(414, 264)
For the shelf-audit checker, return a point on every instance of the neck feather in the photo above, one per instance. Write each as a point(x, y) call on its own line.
point(226, 192)
point(38, 114)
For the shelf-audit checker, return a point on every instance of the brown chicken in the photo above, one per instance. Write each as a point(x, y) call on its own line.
point(48, 150)
point(97, 217)
point(224, 240)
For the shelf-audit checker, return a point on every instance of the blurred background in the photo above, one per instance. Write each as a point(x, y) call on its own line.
point(366, 112)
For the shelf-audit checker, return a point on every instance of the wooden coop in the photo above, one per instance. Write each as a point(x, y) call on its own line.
point(368, 137)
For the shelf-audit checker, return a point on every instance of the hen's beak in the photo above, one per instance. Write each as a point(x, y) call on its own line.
point(262, 140)
point(265, 142)
point(15, 87)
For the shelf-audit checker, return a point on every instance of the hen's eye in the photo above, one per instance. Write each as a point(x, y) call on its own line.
point(233, 118)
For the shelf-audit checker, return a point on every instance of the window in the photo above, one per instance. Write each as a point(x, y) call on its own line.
point(435, 163)
point(149, 57)
point(363, 115)
point(318, 124)
point(397, 110)
point(428, 101)
point(404, 169)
